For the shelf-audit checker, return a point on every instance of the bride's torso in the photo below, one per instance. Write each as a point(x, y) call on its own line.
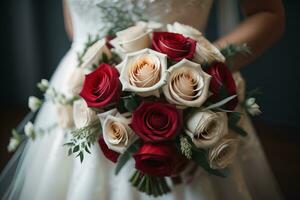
point(88, 18)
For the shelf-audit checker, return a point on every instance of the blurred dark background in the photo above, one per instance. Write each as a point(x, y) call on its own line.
point(33, 41)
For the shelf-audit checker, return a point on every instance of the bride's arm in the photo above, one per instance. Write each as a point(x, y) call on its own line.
point(263, 25)
point(67, 20)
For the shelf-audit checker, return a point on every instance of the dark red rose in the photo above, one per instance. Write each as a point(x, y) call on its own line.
point(222, 84)
point(160, 159)
point(176, 46)
point(101, 87)
point(156, 121)
point(109, 154)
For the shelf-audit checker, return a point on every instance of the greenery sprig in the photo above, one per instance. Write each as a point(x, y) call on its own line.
point(82, 139)
point(119, 16)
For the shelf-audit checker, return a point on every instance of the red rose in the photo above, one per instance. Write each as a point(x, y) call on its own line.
point(109, 154)
point(175, 45)
point(101, 87)
point(160, 159)
point(156, 121)
point(222, 84)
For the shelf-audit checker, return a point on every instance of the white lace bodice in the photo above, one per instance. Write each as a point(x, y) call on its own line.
point(87, 17)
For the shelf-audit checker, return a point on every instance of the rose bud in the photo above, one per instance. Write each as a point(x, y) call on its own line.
point(222, 84)
point(175, 45)
point(101, 87)
point(156, 121)
point(187, 84)
point(82, 114)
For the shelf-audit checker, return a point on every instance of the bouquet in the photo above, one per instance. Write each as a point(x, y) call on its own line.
point(161, 95)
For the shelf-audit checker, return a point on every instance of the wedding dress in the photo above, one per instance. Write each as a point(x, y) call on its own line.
point(41, 169)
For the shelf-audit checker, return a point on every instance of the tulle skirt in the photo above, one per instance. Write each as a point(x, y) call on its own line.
point(41, 169)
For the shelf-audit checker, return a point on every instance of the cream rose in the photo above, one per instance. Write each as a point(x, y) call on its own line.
point(206, 53)
point(186, 30)
point(82, 114)
point(75, 81)
point(116, 131)
point(187, 84)
point(143, 72)
point(206, 128)
point(223, 153)
point(94, 54)
point(65, 116)
point(132, 39)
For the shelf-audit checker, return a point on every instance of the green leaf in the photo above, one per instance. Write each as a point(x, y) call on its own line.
point(220, 103)
point(104, 58)
point(81, 156)
point(253, 93)
point(76, 149)
point(69, 144)
point(123, 158)
point(130, 102)
point(87, 149)
point(238, 130)
point(200, 158)
point(70, 152)
point(233, 49)
point(234, 118)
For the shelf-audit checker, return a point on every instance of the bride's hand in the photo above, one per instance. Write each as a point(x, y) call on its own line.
point(263, 25)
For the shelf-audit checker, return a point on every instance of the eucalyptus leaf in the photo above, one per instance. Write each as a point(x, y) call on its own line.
point(130, 102)
point(123, 158)
point(238, 130)
point(220, 103)
point(234, 118)
point(76, 149)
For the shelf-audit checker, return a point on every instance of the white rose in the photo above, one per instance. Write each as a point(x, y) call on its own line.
point(185, 30)
point(82, 114)
point(29, 130)
point(13, 144)
point(252, 107)
point(34, 103)
point(75, 81)
point(116, 131)
point(187, 84)
point(132, 39)
point(65, 116)
point(223, 153)
point(143, 72)
point(206, 52)
point(206, 128)
point(94, 54)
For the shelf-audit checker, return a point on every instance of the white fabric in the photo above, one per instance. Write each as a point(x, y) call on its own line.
point(45, 172)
